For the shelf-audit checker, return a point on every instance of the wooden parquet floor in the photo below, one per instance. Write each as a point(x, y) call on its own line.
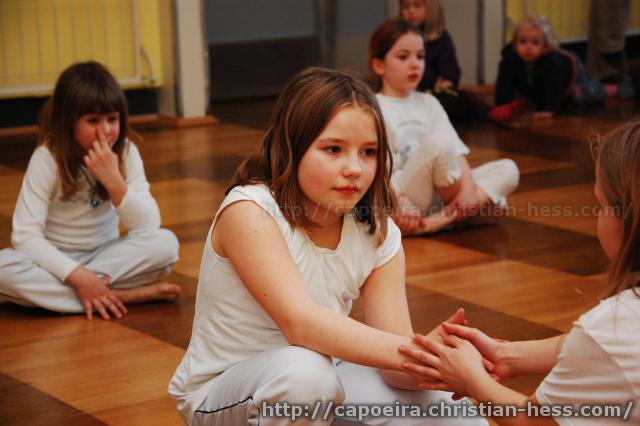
point(529, 277)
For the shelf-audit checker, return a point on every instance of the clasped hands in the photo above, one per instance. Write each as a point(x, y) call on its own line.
point(453, 356)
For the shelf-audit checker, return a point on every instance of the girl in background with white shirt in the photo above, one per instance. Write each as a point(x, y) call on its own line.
point(84, 178)
point(598, 362)
point(432, 178)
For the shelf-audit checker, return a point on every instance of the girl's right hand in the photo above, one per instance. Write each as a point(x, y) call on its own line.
point(491, 349)
point(94, 292)
point(407, 216)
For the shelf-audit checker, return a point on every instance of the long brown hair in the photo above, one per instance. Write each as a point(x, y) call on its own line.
point(83, 88)
point(305, 106)
point(618, 165)
point(383, 39)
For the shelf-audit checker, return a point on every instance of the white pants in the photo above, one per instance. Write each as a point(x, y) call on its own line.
point(247, 392)
point(140, 257)
point(435, 164)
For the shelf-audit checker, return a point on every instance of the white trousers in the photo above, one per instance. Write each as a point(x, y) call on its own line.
point(140, 257)
point(435, 164)
point(247, 393)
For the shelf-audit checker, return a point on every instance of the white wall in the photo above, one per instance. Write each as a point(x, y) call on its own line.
point(190, 57)
point(478, 53)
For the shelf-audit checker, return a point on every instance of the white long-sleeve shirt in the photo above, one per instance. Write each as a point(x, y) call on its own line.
point(43, 223)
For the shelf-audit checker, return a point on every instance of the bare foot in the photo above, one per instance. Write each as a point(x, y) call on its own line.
point(433, 223)
point(159, 290)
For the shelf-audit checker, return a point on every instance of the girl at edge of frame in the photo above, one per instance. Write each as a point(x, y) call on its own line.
point(598, 362)
point(435, 185)
point(303, 231)
point(84, 178)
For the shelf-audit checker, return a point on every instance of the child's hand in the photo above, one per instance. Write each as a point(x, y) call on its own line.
point(542, 116)
point(408, 217)
point(449, 365)
point(491, 349)
point(102, 162)
point(443, 84)
point(457, 318)
point(94, 293)
point(506, 112)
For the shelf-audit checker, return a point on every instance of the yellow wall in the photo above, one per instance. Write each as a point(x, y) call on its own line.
point(569, 18)
point(39, 38)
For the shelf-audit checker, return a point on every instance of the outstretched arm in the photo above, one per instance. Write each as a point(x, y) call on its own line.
point(386, 308)
point(254, 245)
point(251, 240)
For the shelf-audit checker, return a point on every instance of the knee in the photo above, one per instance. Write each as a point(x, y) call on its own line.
point(161, 245)
point(439, 144)
point(308, 377)
point(13, 264)
point(511, 174)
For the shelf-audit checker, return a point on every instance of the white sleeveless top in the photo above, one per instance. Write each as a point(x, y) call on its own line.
point(230, 326)
point(599, 362)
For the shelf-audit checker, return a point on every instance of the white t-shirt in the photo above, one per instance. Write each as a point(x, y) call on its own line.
point(230, 326)
point(410, 119)
point(599, 362)
point(44, 224)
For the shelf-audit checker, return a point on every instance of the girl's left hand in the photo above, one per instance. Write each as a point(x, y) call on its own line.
point(102, 162)
point(443, 84)
point(451, 366)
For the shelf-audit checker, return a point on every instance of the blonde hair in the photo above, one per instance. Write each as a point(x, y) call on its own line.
point(539, 23)
point(434, 23)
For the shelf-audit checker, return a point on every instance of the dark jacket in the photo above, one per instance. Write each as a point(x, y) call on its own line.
point(441, 61)
point(546, 82)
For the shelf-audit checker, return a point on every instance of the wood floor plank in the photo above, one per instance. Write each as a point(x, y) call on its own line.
point(533, 243)
point(5, 230)
point(71, 366)
point(546, 179)
point(427, 255)
point(526, 163)
point(187, 200)
point(10, 181)
point(22, 404)
point(538, 295)
point(191, 254)
point(572, 207)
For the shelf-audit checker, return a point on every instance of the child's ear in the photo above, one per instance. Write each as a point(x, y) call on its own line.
point(377, 66)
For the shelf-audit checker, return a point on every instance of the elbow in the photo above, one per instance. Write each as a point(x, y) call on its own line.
point(295, 332)
point(19, 239)
point(297, 324)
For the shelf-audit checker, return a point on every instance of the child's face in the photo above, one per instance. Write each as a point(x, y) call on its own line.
point(530, 44)
point(86, 129)
point(609, 223)
point(414, 11)
point(339, 166)
point(402, 67)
